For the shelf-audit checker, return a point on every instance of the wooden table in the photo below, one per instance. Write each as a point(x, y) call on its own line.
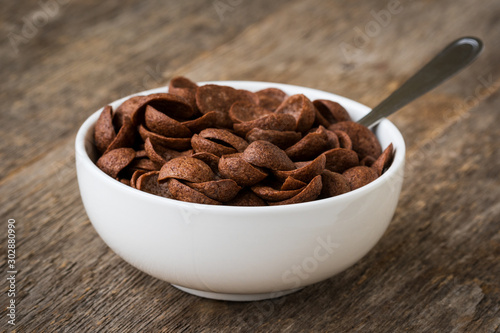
point(437, 268)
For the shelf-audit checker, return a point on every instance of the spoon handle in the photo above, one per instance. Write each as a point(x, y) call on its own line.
point(448, 62)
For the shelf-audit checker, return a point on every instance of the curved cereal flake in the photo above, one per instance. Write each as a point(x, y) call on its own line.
point(223, 120)
point(310, 146)
point(201, 144)
point(159, 154)
point(364, 142)
point(184, 87)
point(186, 168)
point(304, 173)
point(172, 143)
point(291, 183)
point(126, 109)
point(188, 153)
point(246, 198)
point(135, 176)
point(207, 120)
point(277, 122)
point(243, 173)
point(104, 132)
point(140, 153)
point(270, 194)
point(221, 190)
point(331, 111)
point(384, 160)
point(333, 184)
point(308, 193)
point(162, 124)
point(182, 82)
point(225, 137)
point(115, 160)
point(210, 159)
point(367, 161)
point(148, 182)
point(344, 139)
point(213, 97)
point(190, 97)
point(169, 104)
point(360, 176)
point(183, 192)
point(248, 95)
point(319, 120)
point(266, 155)
point(271, 98)
point(301, 108)
point(143, 164)
point(124, 138)
point(246, 111)
point(282, 139)
point(340, 159)
point(333, 139)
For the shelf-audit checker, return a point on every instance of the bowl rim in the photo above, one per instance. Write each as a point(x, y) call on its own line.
point(82, 156)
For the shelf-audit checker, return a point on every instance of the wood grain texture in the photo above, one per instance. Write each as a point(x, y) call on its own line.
point(437, 267)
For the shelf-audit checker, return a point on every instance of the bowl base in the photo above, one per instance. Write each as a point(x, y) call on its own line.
point(236, 297)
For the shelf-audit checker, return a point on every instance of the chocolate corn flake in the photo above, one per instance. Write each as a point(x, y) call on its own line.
point(115, 160)
point(340, 159)
point(246, 198)
point(183, 192)
point(360, 176)
point(124, 138)
point(158, 153)
point(225, 137)
point(173, 106)
point(333, 184)
point(308, 193)
point(306, 172)
point(201, 144)
point(185, 88)
point(135, 176)
point(246, 111)
point(126, 109)
point(364, 141)
point(310, 146)
point(301, 108)
point(242, 172)
point(104, 132)
point(266, 155)
point(162, 124)
point(212, 97)
point(186, 168)
point(331, 112)
point(270, 194)
point(271, 98)
point(148, 182)
point(291, 183)
point(383, 161)
point(222, 190)
point(282, 139)
point(218, 145)
point(157, 139)
point(344, 139)
point(272, 121)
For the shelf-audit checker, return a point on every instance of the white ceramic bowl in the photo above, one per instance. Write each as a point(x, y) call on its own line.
point(240, 253)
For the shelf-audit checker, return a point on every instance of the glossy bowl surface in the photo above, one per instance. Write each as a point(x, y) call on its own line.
point(240, 253)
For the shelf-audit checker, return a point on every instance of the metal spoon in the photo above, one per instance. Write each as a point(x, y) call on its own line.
point(447, 63)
